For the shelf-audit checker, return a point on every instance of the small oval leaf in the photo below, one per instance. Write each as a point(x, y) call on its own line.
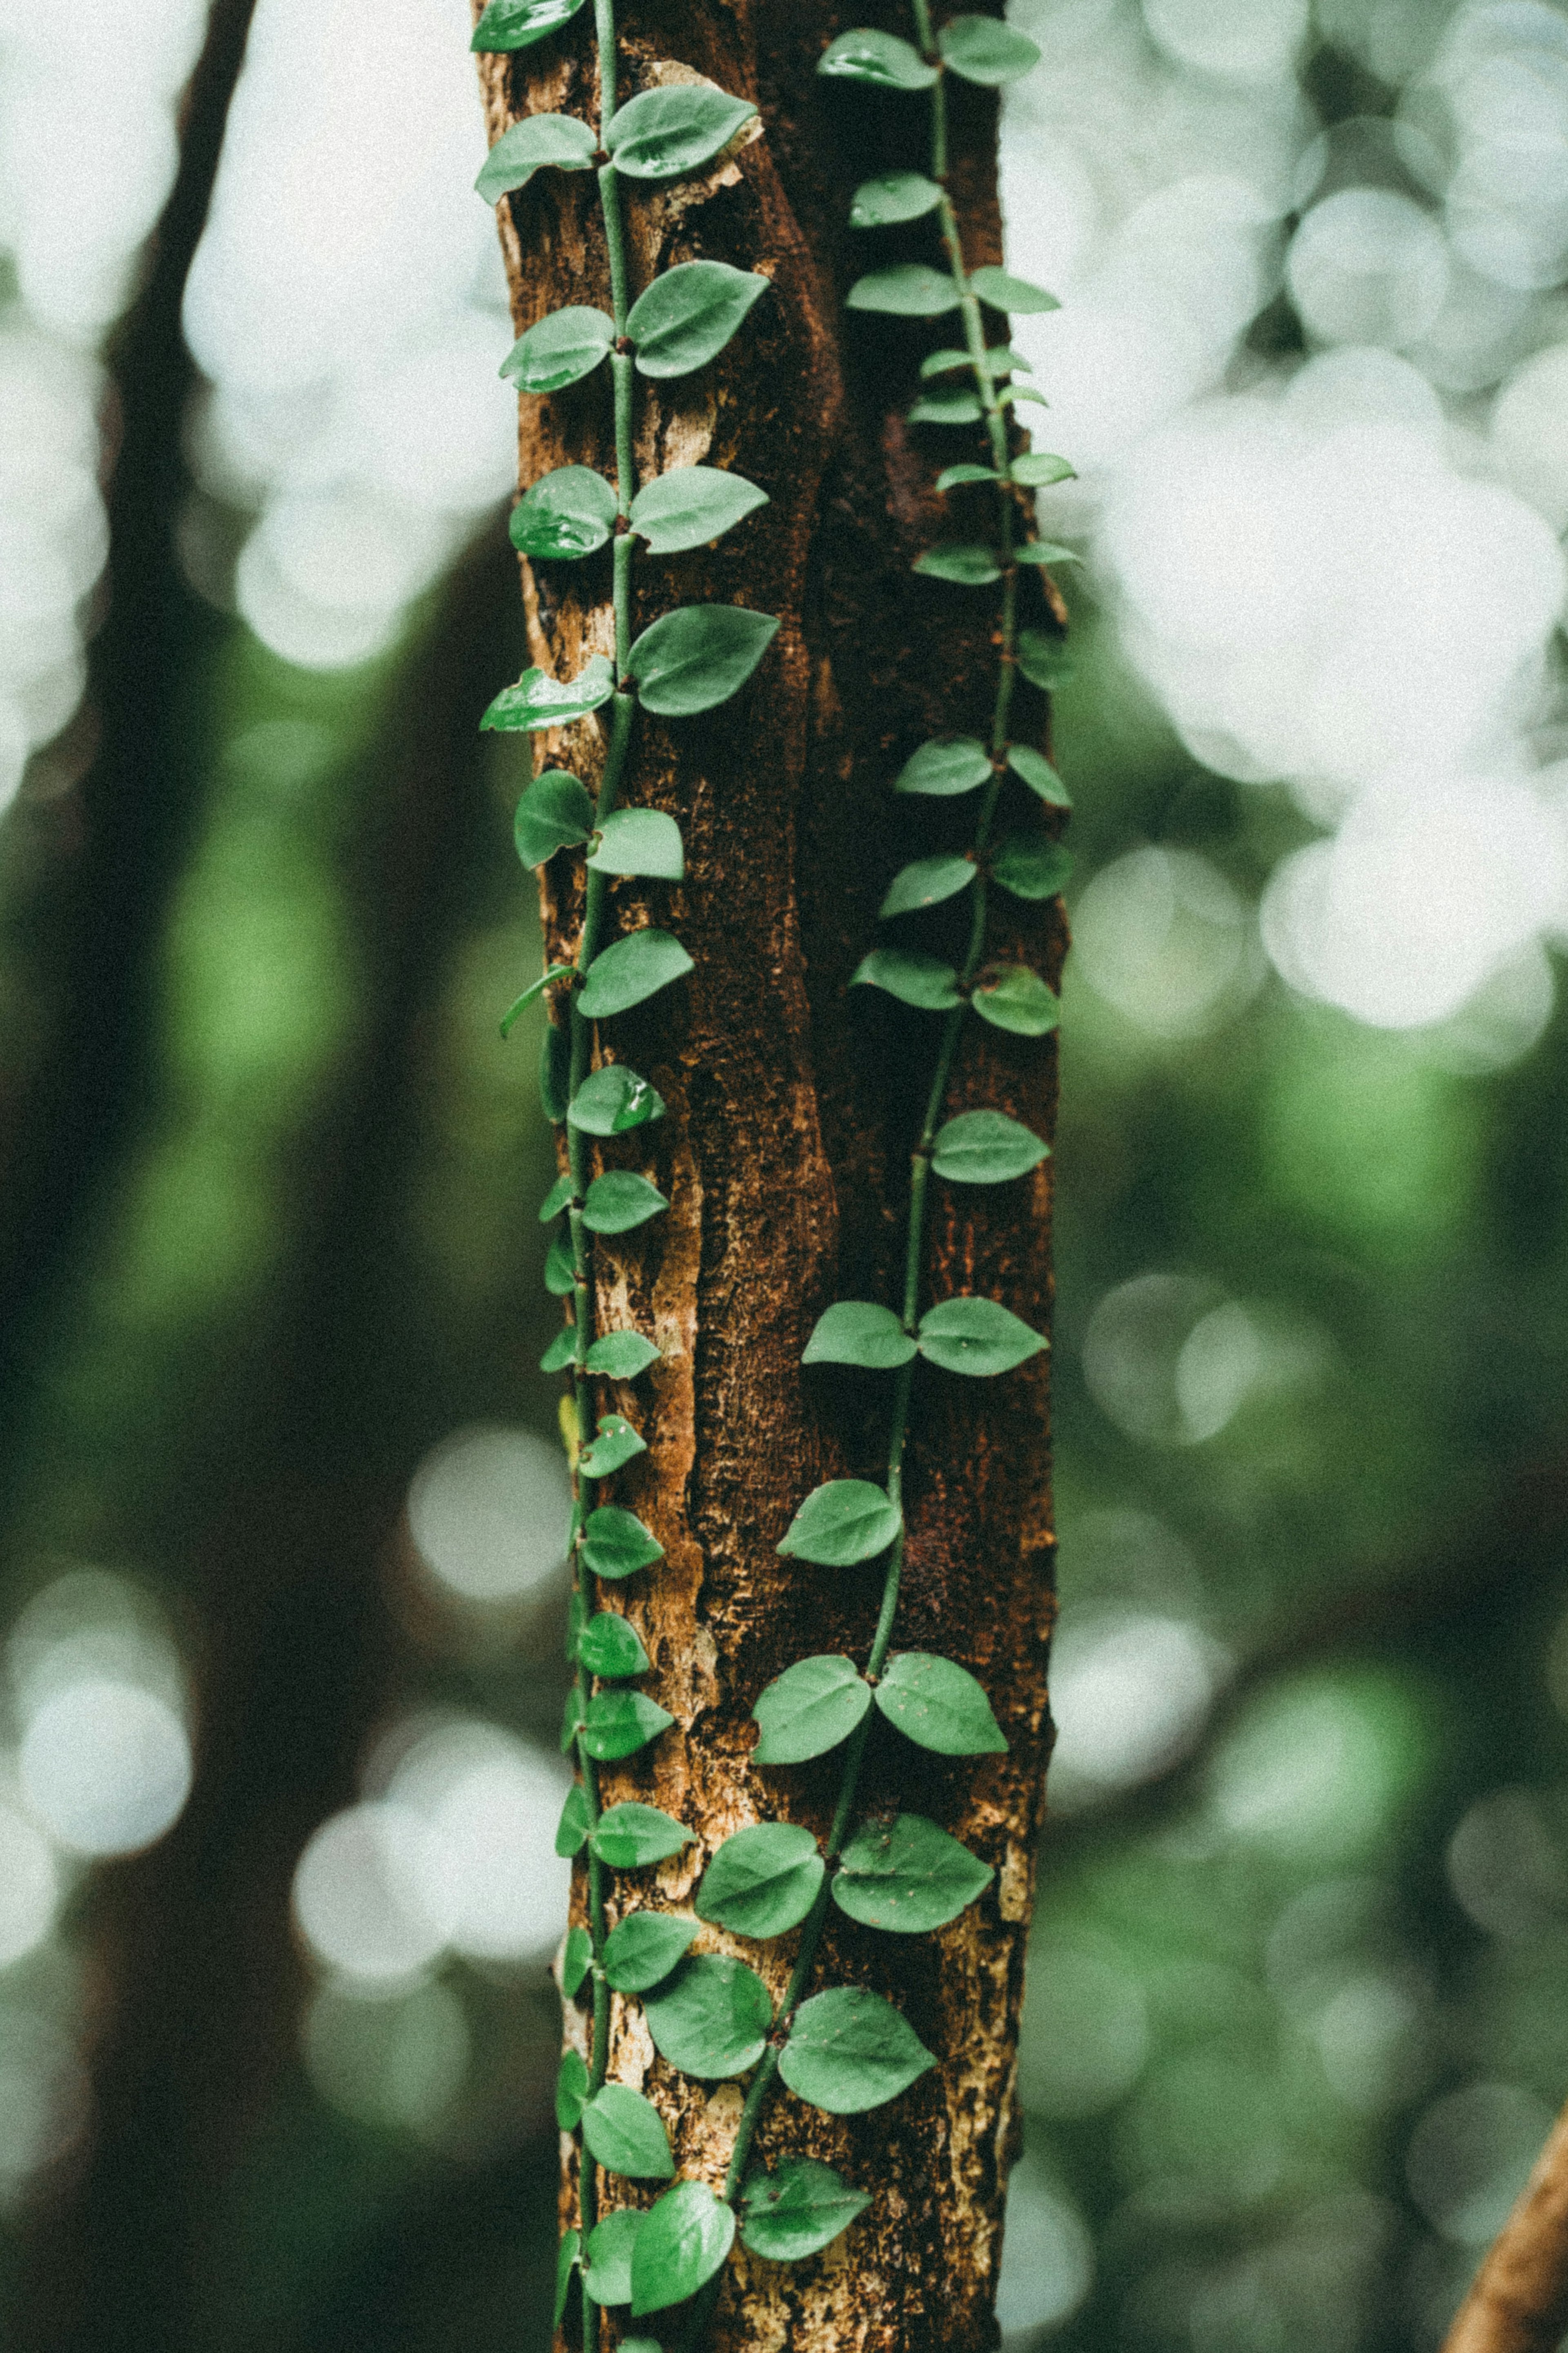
point(882, 59)
point(926, 882)
point(809, 1709)
point(1034, 770)
point(613, 1100)
point(518, 23)
point(537, 141)
point(698, 655)
point(617, 1443)
point(616, 1543)
point(619, 1723)
point(644, 1949)
point(858, 1332)
point(576, 1957)
point(1012, 996)
point(1031, 866)
point(690, 505)
point(910, 289)
point(610, 1644)
point(683, 2241)
point(1037, 469)
point(986, 1147)
point(797, 2210)
point(563, 348)
point(640, 841)
point(938, 1705)
point(621, 1355)
point(629, 970)
point(572, 1830)
point(566, 513)
point(981, 49)
point(966, 567)
point(630, 1835)
point(762, 1881)
point(562, 1351)
point(896, 196)
point(664, 132)
point(538, 702)
point(712, 2018)
point(625, 2133)
point(907, 1876)
point(1005, 292)
point(571, 2089)
point(567, 2259)
point(976, 1335)
point(945, 768)
point(843, 1521)
point(560, 1276)
point(849, 2051)
point(607, 2256)
point(689, 315)
point(946, 408)
point(922, 981)
point(620, 1200)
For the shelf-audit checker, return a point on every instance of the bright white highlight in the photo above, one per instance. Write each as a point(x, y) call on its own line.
point(490, 1511)
point(492, 1803)
point(368, 1895)
point(29, 1888)
point(1129, 1696)
point(106, 1766)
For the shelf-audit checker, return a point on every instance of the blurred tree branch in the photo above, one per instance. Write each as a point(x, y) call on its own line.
point(1518, 2301)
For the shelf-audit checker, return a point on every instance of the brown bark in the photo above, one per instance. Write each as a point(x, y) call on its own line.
point(792, 1106)
point(1518, 2301)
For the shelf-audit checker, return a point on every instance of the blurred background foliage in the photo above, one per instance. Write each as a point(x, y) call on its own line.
point(279, 1587)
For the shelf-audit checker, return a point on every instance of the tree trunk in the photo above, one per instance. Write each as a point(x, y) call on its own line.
point(793, 1104)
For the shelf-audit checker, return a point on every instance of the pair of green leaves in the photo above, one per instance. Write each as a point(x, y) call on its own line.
point(691, 659)
point(914, 289)
point(847, 2049)
point(659, 135)
point(1030, 865)
point(683, 319)
point(978, 49)
point(627, 1837)
point(617, 1356)
point(654, 2259)
point(571, 512)
point(962, 763)
point(818, 1702)
point(621, 2130)
point(1009, 996)
point(906, 1875)
point(976, 1336)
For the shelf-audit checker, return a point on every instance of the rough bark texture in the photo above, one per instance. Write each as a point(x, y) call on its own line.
point(792, 1106)
point(1518, 2301)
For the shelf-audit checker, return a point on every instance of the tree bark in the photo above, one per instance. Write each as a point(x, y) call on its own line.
point(1518, 2301)
point(792, 1104)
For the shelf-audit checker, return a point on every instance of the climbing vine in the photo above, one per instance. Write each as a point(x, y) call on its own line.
point(843, 2048)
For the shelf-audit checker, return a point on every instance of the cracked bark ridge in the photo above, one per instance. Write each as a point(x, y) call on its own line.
point(793, 1104)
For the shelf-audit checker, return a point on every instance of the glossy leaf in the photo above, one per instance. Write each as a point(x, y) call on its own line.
point(616, 1543)
point(566, 2262)
point(608, 2257)
point(1044, 660)
point(881, 58)
point(945, 768)
point(997, 361)
point(762, 1881)
point(1005, 292)
point(978, 1337)
point(1036, 771)
point(797, 2210)
point(610, 1644)
point(927, 881)
point(712, 2018)
point(985, 50)
point(968, 568)
point(859, 1331)
point(689, 314)
point(619, 1723)
point(567, 513)
point(938, 1705)
point(640, 841)
point(626, 2133)
point(698, 655)
point(843, 1521)
point(691, 505)
point(809, 1709)
point(620, 1200)
point(907, 1876)
point(849, 2051)
point(613, 1100)
point(1031, 866)
point(518, 23)
point(562, 1351)
point(683, 2241)
point(633, 1834)
point(630, 970)
point(555, 1071)
point(571, 1830)
point(946, 408)
point(559, 1275)
point(537, 141)
point(644, 1949)
point(576, 1958)
point(1037, 469)
point(1041, 552)
point(537, 700)
point(557, 1200)
point(1011, 996)
point(665, 132)
point(954, 478)
point(616, 1444)
point(922, 981)
point(535, 988)
point(986, 1147)
point(896, 196)
point(571, 2089)
point(621, 1355)
point(563, 347)
point(910, 289)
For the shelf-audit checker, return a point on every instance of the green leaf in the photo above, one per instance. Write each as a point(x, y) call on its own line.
point(629, 970)
point(557, 1200)
point(922, 981)
point(562, 1351)
point(575, 1960)
point(683, 2241)
point(910, 289)
point(945, 768)
point(907, 1876)
point(622, 1356)
point(571, 2090)
point(986, 1147)
point(619, 1199)
point(1038, 773)
point(566, 2263)
point(849, 2050)
point(896, 196)
point(809, 1709)
point(762, 1881)
point(667, 131)
point(691, 505)
point(626, 2133)
point(1031, 866)
point(538, 702)
point(698, 655)
point(613, 1100)
point(970, 567)
point(1005, 292)
point(712, 2018)
point(797, 2210)
point(858, 1332)
point(616, 1543)
point(689, 315)
point(619, 1723)
point(640, 841)
point(1011, 996)
point(953, 477)
point(571, 1723)
point(563, 347)
point(1037, 469)
point(518, 23)
point(946, 408)
point(610, 1644)
point(644, 1949)
point(927, 881)
point(632, 1835)
point(1017, 392)
point(519, 1004)
point(608, 2257)
point(978, 1337)
point(616, 1444)
point(997, 361)
point(985, 50)
point(528, 147)
point(560, 1277)
point(843, 1521)
point(880, 58)
point(572, 1830)
point(938, 1705)
point(555, 1071)
point(1043, 552)
point(567, 513)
